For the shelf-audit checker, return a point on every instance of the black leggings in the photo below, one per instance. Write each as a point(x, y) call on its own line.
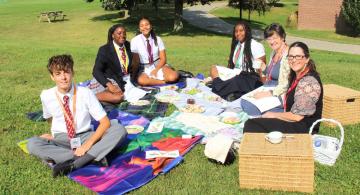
point(265, 125)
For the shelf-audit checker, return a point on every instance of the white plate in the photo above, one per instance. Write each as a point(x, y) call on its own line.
point(229, 114)
point(192, 108)
point(134, 129)
point(232, 120)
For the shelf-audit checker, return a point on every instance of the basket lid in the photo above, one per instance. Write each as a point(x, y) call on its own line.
point(299, 145)
point(339, 92)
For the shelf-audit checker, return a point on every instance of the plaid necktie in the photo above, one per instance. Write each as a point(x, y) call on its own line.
point(123, 57)
point(69, 120)
point(151, 60)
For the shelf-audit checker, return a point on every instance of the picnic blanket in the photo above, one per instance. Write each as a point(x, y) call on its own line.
point(150, 111)
point(186, 124)
point(132, 170)
point(144, 139)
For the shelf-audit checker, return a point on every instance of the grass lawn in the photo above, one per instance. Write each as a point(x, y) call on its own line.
point(26, 45)
point(280, 14)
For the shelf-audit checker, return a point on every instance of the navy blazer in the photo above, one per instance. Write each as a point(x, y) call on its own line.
point(107, 65)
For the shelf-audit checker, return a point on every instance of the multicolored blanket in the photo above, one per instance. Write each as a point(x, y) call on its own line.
point(132, 170)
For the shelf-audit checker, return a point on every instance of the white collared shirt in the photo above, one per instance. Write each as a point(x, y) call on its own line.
point(257, 50)
point(87, 105)
point(139, 46)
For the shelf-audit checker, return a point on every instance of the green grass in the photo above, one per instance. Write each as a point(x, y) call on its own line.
point(280, 15)
point(26, 45)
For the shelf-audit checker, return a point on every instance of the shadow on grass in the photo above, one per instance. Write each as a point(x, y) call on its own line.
point(162, 20)
point(109, 16)
point(253, 24)
point(279, 5)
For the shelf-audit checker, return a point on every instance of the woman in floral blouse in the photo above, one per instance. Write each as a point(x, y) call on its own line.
point(303, 99)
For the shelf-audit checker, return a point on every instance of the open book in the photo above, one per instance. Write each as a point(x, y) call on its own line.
point(227, 73)
point(263, 104)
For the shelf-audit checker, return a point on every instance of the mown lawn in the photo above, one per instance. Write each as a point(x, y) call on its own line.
point(26, 45)
point(280, 14)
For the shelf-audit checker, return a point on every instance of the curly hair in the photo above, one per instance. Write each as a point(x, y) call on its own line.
point(63, 62)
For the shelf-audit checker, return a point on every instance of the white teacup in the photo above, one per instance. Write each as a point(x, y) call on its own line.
point(274, 137)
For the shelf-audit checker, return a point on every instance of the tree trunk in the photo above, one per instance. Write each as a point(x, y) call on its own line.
point(178, 25)
point(241, 8)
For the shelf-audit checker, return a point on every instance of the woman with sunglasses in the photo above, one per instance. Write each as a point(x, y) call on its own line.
point(303, 99)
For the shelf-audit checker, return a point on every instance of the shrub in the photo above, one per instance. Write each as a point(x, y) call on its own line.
point(272, 3)
point(350, 10)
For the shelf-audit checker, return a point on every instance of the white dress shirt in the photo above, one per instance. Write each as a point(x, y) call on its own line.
point(139, 46)
point(86, 105)
point(257, 50)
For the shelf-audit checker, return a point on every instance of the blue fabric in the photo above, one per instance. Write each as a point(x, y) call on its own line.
point(200, 76)
point(179, 84)
point(274, 72)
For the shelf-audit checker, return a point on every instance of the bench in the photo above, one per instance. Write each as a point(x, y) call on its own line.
point(52, 16)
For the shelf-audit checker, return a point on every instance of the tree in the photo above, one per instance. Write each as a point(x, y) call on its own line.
point(272, 3)
point(129, 5)
point(257, 5)
point(350, 10)
point(251, 5)
point(179, 6)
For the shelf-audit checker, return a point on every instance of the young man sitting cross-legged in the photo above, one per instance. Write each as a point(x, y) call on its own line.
point(72, 144)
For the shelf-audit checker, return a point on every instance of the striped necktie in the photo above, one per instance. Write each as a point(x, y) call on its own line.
point(69, 119)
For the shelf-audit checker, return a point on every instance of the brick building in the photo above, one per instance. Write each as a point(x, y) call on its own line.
point(320, 15)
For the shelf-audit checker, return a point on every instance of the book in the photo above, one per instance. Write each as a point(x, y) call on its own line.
point(263, 104)
point(227, 73)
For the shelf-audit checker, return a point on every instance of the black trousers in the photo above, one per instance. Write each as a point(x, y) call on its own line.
point(265, 125)
point(236, 86)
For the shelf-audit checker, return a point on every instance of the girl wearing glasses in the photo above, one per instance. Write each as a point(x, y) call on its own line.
point(149, 57)
point(246, 57)
point(303, 99)
point(276, 72)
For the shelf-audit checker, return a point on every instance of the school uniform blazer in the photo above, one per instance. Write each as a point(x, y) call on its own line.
point(107, 65)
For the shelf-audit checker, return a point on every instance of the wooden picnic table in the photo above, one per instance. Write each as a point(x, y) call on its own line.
point(52, 16)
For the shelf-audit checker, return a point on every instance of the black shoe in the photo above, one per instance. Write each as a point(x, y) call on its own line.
point(102, 163)
point(63, 168)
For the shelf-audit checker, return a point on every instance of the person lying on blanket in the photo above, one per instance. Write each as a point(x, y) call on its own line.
point(72, 144)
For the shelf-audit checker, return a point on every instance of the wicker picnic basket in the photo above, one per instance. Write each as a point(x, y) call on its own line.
point(342, 104)
point(326, 148)
point(288, 166)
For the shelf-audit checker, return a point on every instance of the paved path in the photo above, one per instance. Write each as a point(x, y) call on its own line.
point(199, 16)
